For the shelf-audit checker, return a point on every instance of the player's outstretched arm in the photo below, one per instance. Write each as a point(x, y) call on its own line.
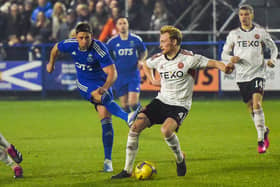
point(150, 75)
point(221, 66)
point(53, 56)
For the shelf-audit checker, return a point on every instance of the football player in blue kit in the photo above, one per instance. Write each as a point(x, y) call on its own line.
point(128, 51)
point(96, 73)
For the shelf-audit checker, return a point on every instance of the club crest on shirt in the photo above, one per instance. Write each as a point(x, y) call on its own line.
point(131, 43)
point(118, 45)
point(257, 36)
point(180, 65)
point(89, 58)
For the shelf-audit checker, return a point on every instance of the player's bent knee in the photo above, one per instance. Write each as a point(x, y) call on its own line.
point(140, 123)
point(166, 132)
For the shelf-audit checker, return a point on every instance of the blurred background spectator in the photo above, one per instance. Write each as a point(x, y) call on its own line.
point(58, 18)
point(13, 25)
point(109, 28)
point(66, 27)
point(43, 6)
point(18, 18)
point(40, 31)
point(82, 12)
point(26, 19)
point(159, 16)
point(98, 19)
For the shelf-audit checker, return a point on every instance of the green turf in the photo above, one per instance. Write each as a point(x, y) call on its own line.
point(61, 146)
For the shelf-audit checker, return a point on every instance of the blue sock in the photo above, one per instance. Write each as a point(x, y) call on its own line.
point(134, 107)
point(107, 137)
point(116, 110)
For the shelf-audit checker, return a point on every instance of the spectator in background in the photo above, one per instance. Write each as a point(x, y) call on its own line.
point(25, 19)
point(43, 6)
point(20, 7)
point(159, 17)
point(91, 7)
point(113, 4)
point(65, 28)
point(40, 32)
point(5, 7)
point(146, 6)
point(3, 24)
point(107, 4)
point(98, 20)
point(13, 25)
point(82, 13)
point(109, 28)
point(58, 18)
point(134, 14)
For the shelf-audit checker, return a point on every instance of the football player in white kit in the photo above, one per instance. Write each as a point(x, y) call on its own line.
point(173, 102)
point(10, 156)
point(246, 43)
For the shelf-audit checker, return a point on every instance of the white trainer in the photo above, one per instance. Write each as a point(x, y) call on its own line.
point(108, 167)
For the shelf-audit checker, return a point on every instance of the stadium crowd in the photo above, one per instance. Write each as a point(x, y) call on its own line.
point(47, 21)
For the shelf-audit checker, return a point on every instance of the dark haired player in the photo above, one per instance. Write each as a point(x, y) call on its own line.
point(96, 73)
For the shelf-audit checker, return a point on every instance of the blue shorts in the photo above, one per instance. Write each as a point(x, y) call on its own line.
point(123, 86)
point(87, 87)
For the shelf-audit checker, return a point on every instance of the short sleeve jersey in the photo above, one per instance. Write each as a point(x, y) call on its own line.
point(176, 81)
point(249, 46)
point(125, 53)
point(89, 63)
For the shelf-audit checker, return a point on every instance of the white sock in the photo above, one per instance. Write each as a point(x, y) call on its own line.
point(252, 116)
point(259, 123)
point(131, 150)
point(173, 143)
point(3, 141)
point(5, 158)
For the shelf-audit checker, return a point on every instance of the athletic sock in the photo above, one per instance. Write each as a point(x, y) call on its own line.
point(5, 158)
point(3, 141)
point(116, 110)
point(107, 137)
point(131, 150)
point(259, 121)
point(173, 143)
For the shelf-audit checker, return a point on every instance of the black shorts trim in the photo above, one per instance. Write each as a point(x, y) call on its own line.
point(157, 112)
point(247, 89)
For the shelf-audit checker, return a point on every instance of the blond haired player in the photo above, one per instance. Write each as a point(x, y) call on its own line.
point(173, 102)
point(247, 43)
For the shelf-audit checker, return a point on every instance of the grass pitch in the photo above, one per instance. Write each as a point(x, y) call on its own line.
point(61, 146)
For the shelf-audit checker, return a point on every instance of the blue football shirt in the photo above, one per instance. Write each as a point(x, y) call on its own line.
point(88, 63)
point(125, 54)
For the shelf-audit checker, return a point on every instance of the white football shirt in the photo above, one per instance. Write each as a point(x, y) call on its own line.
point(176, 80)
point(248, 45)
